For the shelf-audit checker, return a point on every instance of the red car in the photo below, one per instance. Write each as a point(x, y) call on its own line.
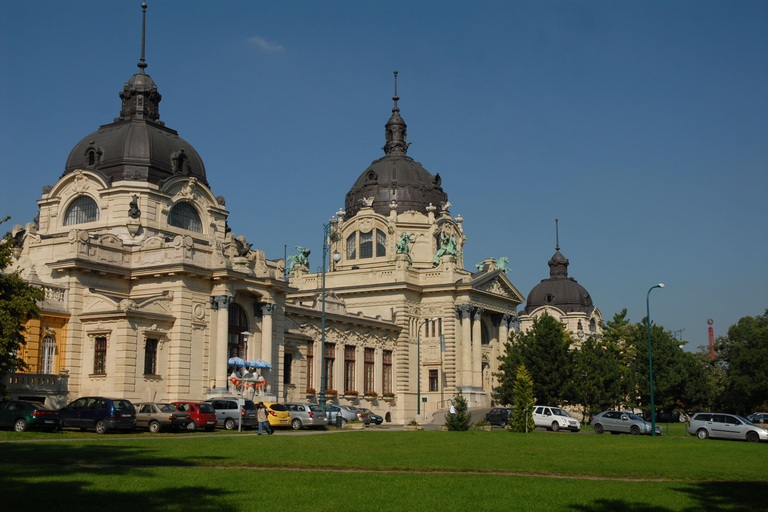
point(203, 415)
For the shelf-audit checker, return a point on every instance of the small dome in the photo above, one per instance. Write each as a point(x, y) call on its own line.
point(559, 290)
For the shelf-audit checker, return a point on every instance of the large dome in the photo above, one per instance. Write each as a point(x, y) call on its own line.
point(559, 290)
point(137, 145)
point(395, 177)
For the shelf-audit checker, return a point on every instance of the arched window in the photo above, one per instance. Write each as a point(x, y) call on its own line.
point(381, 243)
point(83, 209)
point(48, 353)
point(184, 216)
point(238, 323)
point(366, 245)
point(352, 246)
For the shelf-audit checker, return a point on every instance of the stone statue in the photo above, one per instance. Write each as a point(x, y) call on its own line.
point(502, 263)
point(301, 259)
point(447, 246)
point(133, 208)
point(404, 245)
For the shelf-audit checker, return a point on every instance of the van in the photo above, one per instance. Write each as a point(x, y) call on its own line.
point(99, 413)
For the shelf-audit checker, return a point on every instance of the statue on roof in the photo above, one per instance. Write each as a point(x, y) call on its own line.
point(299, 259)
point(404, 245)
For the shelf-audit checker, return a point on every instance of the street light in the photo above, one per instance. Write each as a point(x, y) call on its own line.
point(418, 369)
point(650, 355)
point(329, 231)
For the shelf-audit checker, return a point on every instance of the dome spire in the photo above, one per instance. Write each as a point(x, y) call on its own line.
point(142, 64)
point(557, 237)
point(395, 130)
point(558, 265)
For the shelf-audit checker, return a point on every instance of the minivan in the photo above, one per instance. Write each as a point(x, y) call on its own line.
point(100, 413)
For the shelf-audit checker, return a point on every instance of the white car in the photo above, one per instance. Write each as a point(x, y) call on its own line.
point(554, 418)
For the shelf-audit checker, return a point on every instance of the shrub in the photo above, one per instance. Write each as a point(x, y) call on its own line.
point(462, 419)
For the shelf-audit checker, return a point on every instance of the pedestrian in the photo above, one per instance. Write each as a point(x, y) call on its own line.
point(262, 416)
point(452, 410)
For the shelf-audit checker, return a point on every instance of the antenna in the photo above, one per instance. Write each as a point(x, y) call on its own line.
point(395, 97)
point(557, 237)
point(143, 64)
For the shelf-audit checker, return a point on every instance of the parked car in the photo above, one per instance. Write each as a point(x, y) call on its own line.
point(156, 417)
point(100, 413)
point(228, 413)
point(618, 422)
point(202, 414)
point(22, 415)
point(279, 416)
point(725, 426)
point(499, 416)
point(375, 418)
point(347, 414)
point(759, 418)
point(554, 418)
point(306, 415)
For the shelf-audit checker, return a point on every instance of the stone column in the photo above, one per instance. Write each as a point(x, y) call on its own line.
point(266, 344)
point(504, 334)
point(466, 345)
point(477, 350)
point(219, 345)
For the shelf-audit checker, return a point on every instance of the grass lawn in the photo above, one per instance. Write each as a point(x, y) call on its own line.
point(380, 470)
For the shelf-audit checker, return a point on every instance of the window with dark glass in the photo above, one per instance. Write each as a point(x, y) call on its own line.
point(150, 357)
point(330, 357)
point(433, 380)
point(183, 215)
point(352, 246)
point(349, 368)
point(369, 360)
point(366, 245)
point(83, 209)
point(381, 243)
point(287, 363)
point(238, 323)
point(100, 356)
point(386, 381)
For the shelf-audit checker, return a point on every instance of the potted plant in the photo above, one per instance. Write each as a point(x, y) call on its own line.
point(390, 397)
point(311, 391)
point(413, 425)
point(482, 425)
point(371, 395)
point(355, 425)
point(331, 392)
point(351, 394)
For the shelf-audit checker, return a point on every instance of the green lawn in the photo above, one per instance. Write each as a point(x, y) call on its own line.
point(380, 470)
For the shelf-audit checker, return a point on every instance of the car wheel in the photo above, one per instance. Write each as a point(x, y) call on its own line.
point(635, 430)
point(555, 426)
point(702, 434)
point(598, 428)
point(753, 437)
point(191, 426)
point(20, 425)
point(343, 423)
point(229, 424)
point(154, 427)
point(101, 427)
point(296, 424)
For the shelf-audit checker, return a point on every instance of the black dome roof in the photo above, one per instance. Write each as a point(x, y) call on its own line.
point(559, 290)
point(395, 176)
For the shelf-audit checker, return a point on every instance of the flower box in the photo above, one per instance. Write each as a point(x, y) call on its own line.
point(413, 427)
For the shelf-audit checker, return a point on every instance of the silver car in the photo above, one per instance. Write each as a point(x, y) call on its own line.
point(306, 415)
point(228, 413)
point(725, 426)
point(622, 422)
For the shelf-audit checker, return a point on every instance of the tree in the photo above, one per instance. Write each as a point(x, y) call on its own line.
point(462, 419)
point(18, 304)
point(598, 376)
point(744, 356)
point(616, 333)
point(522, 416)
point(544, 349)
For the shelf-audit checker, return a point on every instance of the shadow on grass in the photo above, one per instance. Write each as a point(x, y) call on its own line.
point(709, 496)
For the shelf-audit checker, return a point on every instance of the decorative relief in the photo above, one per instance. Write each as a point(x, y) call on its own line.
point(365, 225)
point(496, 288)
point(198, 311)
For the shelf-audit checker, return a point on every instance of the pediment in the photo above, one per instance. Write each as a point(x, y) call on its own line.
point(496, 283)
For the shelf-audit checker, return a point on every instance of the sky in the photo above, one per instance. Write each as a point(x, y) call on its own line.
point(641, 126)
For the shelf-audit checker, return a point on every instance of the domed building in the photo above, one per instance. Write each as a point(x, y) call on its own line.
point(396, 255)
point(564, 299)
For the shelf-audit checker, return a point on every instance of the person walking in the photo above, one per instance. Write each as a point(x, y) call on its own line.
point(262, 416)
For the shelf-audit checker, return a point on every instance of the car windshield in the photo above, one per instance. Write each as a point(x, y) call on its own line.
point(121, 405)
point(166, 408)
point(278, 407)
point(249, 406)
point(315, 408)
point(633, 416)
point(206, 408)
point(561, 412)
point(746, 421)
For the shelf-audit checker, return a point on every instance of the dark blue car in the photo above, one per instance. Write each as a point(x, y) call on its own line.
point(102, 414)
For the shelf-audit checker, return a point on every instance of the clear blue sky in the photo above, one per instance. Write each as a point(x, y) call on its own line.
point(642, 126)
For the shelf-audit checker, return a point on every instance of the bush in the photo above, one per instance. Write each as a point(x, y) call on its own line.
point(462, 419)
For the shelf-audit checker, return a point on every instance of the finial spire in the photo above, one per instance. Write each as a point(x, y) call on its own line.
point(143, 64)
point(557, 237)
point(395, 130)
point(395, 97)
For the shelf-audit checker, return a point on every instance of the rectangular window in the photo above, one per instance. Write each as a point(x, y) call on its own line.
point(330, 357)
point(386, 381)
point(100, 356)
point(310, 363)
point(433, 380)
point(381, 243)
point(349, 368)
point(49, 349)
point(369, 370)
point(287, 363)
point(366, 245)
point(352, 246)
point(150, 357)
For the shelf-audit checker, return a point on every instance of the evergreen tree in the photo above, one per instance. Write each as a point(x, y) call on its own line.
point(522, 416)
point(598, 376)
point(616, 334)
point(462, 419)
point(18, 303)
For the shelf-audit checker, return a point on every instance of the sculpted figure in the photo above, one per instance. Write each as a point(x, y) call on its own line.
point(404, 245)
point(299, 259)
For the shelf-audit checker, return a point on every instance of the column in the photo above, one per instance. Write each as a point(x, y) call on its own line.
point(466, 345)
point(504, 334)
point(477, 350)
point(266, 344)
point(219, 353)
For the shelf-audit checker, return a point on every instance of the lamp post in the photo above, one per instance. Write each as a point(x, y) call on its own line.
point(418, 357)
point(329, 231)
point(650, 355)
